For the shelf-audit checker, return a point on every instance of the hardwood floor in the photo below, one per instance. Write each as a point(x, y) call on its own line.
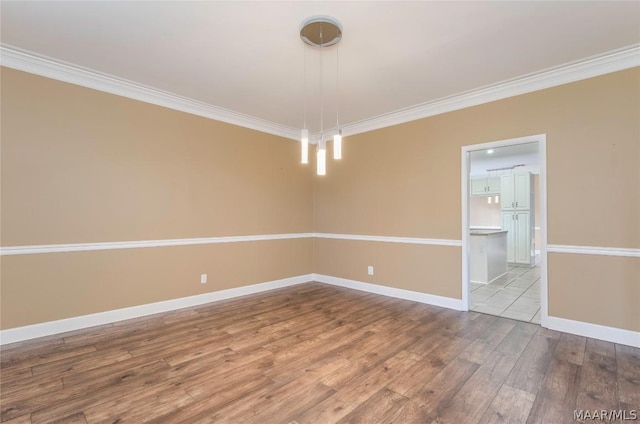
point(316, 353)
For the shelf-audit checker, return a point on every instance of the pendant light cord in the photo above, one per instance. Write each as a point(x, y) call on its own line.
point(321, 91)
point(304, 85)
point(337, 87)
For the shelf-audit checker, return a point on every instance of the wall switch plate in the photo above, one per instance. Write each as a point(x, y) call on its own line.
point(370, 270)
point(203, 278)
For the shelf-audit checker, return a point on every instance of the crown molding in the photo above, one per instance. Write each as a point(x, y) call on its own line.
point(22, 60)
point(617, 60)
point(613, 61)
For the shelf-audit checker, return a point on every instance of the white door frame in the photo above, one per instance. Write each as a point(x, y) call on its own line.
point(542, 152)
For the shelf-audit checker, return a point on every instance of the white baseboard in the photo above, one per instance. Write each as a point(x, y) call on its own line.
point(431, 299)
point(594, 331)
point(13, 335)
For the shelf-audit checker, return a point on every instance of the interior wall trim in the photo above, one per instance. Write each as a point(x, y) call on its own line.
point(430, 299)
point(608, 62)
point(594, 331)
point(613, 61)
point(81, 247)
point(591, 250)
point(18, 334)
point(12, 335)
point(389, 239)
point(33, 63)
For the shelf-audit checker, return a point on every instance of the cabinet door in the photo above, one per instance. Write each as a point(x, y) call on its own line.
point(522, 191)
point(507, 201)
point(493, 185)
point(522, 238)
point(479, 186)
point(508, 224)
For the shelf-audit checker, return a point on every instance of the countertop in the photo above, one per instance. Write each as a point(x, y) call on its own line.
point(486, 232)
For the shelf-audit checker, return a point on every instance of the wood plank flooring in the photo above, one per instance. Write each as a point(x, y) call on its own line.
point(315, 353)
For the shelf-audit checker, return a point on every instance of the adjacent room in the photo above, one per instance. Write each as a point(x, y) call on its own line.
point(319, 212)
point(504, 225)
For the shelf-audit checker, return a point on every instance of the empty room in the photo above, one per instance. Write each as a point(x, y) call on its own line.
point(319, 212)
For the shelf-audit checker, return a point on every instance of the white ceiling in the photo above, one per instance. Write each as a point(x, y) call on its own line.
point(247, 57)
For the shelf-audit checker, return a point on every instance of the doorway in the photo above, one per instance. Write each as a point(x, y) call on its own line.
point(504, 234)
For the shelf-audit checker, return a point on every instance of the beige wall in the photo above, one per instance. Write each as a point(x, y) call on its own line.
point(600, 290)
point(405, 181)
point(403, 266)
point(97, 167)
point(80, 165)
point(47, 287)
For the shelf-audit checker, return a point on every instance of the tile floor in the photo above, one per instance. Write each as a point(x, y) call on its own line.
point(515, 295)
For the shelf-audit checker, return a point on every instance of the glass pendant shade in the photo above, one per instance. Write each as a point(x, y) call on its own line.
point(337, 145)
point(321, 164)
point(304, 144)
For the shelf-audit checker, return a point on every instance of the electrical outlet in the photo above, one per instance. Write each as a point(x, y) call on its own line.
point(203, 278)
point(370, 270)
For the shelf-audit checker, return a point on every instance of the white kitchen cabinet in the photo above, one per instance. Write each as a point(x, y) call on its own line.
point(485, 186)
point(519, 226)
point(516, 192)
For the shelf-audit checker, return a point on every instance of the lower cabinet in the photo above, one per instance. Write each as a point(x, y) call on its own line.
point(519, 237)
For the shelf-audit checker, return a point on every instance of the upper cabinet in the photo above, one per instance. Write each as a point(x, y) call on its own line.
point(485, 186)
point(516, 191)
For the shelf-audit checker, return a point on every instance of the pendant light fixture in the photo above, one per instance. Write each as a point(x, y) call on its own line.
point(321, 32)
